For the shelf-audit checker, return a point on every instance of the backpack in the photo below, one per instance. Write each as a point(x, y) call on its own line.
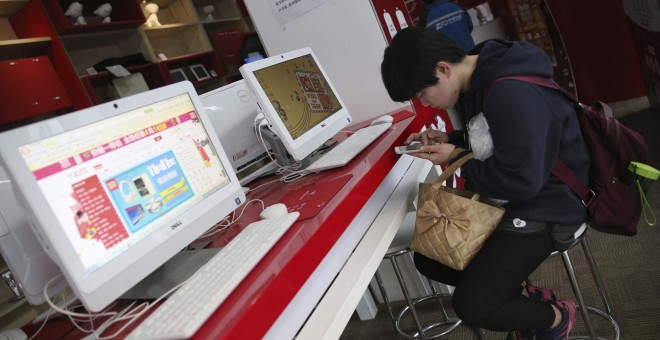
point(612, 200)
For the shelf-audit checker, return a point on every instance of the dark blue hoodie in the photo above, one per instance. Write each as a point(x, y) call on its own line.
point(530, 127)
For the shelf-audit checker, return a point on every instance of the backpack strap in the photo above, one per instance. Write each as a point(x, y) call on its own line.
point(566, 175)
point(559, 169)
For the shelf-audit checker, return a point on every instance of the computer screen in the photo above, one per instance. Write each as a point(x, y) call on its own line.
point(232, 110)
point(298, 100)
point(115, 190)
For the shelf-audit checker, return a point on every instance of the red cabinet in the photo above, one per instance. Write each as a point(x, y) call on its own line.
point(29, 87)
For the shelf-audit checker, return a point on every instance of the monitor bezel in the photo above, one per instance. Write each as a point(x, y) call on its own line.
point(308, 142)
point(99, 288)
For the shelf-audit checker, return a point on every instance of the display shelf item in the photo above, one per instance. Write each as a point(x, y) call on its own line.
point(99, 86)
point(172, 11)
point(125, 14)
point(198, 69)
point(86, 50)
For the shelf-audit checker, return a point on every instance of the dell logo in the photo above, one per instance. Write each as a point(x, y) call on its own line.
point(243, 95)
point(175, 225)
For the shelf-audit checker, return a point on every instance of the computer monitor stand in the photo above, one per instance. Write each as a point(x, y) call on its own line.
point(175, 271)
point(282, 155)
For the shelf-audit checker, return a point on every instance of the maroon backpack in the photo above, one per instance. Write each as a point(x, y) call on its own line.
point(613, 203)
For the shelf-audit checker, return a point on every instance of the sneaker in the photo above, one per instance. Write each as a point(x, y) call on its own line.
point(536, 294)
point(540, 294)
point(567, 308)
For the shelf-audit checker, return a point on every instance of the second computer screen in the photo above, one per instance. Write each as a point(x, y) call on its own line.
point(299, 93)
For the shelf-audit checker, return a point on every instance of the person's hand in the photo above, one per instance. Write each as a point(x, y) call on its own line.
point(429, 136)
point(438, 154)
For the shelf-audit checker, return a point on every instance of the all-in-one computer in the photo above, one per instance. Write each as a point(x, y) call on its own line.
point(114, 191)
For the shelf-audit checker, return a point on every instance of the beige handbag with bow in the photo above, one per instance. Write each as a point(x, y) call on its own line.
point(452, 225)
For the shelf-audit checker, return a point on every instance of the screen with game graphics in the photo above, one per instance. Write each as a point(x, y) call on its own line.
point(299, 93)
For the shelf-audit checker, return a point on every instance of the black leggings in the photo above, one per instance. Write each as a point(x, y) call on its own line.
point(488, 292)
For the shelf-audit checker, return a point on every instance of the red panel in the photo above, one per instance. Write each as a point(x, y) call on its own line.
point(415, 9)
point(598, 30)
point(387, 15)
point(31, 21)
point(227, 45)
point(30, 87)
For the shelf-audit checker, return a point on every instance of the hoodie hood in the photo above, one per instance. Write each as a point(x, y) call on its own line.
point(499, 58)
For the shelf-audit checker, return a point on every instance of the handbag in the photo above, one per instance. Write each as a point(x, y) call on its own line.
point(452, 224)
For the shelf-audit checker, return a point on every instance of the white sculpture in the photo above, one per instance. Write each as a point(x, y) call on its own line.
point(74, 12)
point(208, 10)
point(152, 19)
point(104, 11)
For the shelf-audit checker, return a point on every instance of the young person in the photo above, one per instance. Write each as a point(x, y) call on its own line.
point(516, 131)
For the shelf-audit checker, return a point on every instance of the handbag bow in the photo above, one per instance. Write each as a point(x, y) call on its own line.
point(456, 225)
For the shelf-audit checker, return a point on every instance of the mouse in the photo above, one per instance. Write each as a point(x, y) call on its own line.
point(13, 334)
point(382, 119)
point(274, 210)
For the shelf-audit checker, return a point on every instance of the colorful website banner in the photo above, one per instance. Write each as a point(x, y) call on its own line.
point(149, 190)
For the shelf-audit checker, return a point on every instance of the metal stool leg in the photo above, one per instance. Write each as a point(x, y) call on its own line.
point(386, 299)
point(435, 292)
point(596, 275)
point(429, 332)
point(406, 295)
point(578, 294)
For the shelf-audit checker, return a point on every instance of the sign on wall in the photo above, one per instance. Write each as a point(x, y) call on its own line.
point(289, 10)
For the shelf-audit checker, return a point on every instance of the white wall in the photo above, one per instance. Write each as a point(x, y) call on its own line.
point(346, 37)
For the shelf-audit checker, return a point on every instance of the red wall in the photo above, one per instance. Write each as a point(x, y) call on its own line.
point(600, 47)
point(598, 42)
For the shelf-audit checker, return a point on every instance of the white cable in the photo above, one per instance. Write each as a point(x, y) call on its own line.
point(43, 323)
point(292, 176)
point(282, 169)
point(68, 312)
point(271, 182)
point(214, 230)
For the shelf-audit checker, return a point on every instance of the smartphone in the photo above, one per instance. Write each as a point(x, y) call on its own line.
point(411, 148)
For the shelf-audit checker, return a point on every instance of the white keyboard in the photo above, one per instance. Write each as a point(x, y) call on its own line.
point(183, 313)
point(343, 153)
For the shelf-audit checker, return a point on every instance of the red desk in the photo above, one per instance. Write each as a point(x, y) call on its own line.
point(261, 298)
point(276, 298)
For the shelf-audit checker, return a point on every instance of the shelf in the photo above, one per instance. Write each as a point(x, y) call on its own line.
point(221, 21)
point(168, 30)
point(125, 14)
point(178, 40)
point(175, 12)
point(9, 7)
point(225, 15)
point(98, 86)
point(86, 50)
point(23, 48)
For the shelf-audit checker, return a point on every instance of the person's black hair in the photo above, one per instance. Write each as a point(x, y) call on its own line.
point(409, 62)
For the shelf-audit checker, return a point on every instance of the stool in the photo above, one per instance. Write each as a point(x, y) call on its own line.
point(398, 248)
point(580, 238)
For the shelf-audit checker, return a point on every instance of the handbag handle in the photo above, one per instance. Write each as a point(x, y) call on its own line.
point(453, 166)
